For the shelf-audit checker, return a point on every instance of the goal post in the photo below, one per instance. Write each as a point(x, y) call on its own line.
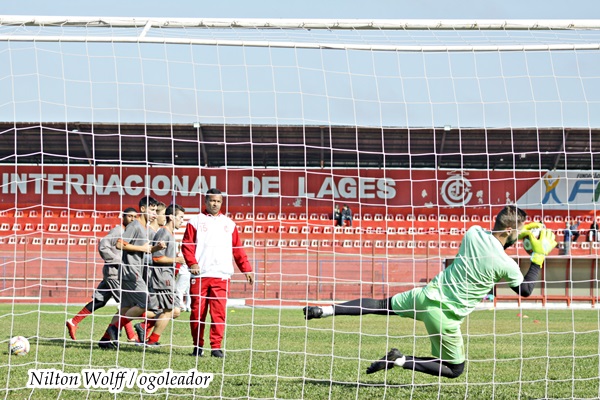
point(423, 128)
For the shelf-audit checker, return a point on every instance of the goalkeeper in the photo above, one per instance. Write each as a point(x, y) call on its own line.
point(444, 303)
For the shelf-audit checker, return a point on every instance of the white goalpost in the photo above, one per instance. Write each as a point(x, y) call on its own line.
point(422, 128)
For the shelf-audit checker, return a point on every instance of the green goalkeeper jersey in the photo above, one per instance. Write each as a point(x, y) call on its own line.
point(480, 263)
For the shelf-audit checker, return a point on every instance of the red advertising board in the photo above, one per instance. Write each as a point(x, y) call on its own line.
point(106, 188)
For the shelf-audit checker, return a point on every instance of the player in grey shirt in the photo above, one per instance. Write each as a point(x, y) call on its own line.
point(162, 276)
point(135, 299)
point(110, 286)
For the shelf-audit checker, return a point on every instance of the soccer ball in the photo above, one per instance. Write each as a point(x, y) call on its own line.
point(527, 243)
point(18, 346)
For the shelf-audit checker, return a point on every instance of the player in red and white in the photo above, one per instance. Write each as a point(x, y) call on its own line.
point(209, 240)
point(162, 277)
point(110, 286)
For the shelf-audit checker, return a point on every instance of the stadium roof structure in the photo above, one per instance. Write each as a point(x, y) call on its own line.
point(299, 146)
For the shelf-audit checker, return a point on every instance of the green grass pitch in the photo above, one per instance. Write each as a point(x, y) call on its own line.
point(274, 353)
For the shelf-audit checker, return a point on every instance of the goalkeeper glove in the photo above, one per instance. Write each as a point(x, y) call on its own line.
point(541, 246)
point(530, 227)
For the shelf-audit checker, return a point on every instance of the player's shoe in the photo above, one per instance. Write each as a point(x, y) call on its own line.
point(217, 353)
point(311, 312)
point(152, 344)
point(113, 334)
point(386, 362)
point(106, 344)
point(141, 332)
point(72, 328)
point(197, 352)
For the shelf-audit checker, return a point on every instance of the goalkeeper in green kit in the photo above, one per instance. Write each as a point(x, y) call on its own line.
point(444, 303)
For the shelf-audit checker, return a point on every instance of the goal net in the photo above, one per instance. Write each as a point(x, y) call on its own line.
point(419, 129)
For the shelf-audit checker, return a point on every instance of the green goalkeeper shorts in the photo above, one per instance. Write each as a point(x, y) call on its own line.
point(442, 325)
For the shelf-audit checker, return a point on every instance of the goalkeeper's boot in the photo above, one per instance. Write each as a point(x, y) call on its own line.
point(386, 362)
point(311, 312)
point(72, 328)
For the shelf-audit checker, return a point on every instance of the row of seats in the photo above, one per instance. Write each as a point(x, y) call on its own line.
point(399, 244)
point(379, 230)
point(357, 217)
point(53, 227)
point(50, 241)
point(56, 213)
point(240, 216)
point(289, 243)
point(401, 217)
point(253, 229)
point(319, 229)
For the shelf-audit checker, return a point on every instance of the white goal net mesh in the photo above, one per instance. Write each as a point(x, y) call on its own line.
point(421, 128)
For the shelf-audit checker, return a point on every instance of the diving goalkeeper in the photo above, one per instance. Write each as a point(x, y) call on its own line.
point(444, 303)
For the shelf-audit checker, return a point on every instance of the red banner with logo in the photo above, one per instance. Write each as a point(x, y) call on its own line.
point(106, 188)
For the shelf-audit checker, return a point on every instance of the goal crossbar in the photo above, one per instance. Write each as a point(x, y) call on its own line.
point(352, 24)
point(144, 26)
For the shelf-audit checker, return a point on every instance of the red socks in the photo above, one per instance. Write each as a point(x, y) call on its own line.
point(80, 316)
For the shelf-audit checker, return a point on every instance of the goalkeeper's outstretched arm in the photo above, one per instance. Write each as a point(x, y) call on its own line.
point(526, 288)
point(541, 247)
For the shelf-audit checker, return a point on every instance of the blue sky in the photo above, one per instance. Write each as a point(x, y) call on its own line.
point(440, 9)
point(183, 84)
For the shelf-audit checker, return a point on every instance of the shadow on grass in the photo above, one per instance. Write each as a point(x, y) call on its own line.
point(324, 382)
point(85, 345)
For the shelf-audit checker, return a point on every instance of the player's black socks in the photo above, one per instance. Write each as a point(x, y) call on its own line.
point(363, 307)
point(433, 366)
